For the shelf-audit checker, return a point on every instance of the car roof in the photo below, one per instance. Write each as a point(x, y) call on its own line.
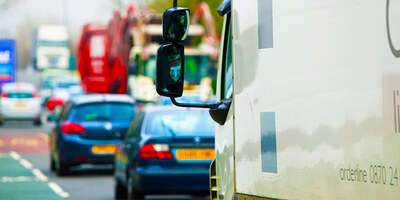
point(19, 86)
point(94, 98)
point(153, 109)
point(65, 80)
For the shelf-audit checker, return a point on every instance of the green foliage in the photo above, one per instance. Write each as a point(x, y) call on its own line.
point(161, 5)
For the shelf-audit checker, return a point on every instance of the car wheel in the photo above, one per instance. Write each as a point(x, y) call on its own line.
point(62, 169)
point(120, 191)
point(37, 122)
point(52, 163)
point(132, 192)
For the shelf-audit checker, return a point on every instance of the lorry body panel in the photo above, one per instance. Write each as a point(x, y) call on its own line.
point(315, 101)
point(93, 63)
point(8, 61)
point(50, 48)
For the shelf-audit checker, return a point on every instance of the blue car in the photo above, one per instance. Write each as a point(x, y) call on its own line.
point(166, 150)
point(88, 130)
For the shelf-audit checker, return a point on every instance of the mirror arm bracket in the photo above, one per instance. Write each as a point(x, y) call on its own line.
point(190, 105)
point(218, 111)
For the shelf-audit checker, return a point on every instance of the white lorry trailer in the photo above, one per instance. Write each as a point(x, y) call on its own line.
point(50, 47)
point(308, 102)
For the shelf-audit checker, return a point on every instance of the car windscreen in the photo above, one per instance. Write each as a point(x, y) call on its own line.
point(19, 95)
point(105, 111)
point(180, 123)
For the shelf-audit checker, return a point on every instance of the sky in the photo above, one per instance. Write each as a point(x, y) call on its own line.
point(21, 17)
point(75, 13)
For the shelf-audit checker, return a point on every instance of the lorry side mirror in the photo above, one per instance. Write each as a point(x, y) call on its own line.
point(170, 70)
point(175, 24)
point(133, 69)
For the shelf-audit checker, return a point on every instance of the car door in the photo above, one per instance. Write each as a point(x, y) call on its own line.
point(127, 149)
point(224, 148)
point(55, 135)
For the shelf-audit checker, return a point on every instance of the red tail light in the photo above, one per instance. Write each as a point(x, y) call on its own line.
point(35, 95)
point(72, 128)
point(52, 103)
point(155, 151)
point(4, 95)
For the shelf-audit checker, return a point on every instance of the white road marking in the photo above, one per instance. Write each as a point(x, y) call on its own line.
point(18, 179)
point(39, 176)
point(57, 189)
point(15, 155)
point(26, 163)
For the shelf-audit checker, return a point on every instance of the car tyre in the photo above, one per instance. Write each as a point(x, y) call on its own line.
point(120, 191)
point(62, 169)
point(133, 194)
point(37, 122)
point(52, 164)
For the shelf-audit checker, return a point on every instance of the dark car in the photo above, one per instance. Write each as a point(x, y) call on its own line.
point(166, 150)
point(88, 130)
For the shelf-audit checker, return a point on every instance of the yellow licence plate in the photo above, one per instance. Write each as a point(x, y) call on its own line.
point(104, 149)
point(20, 105)
point(195, 154)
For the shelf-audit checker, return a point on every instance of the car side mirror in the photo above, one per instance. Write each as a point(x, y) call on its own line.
point(51, 117)
point(170, 70)
point(133, 70)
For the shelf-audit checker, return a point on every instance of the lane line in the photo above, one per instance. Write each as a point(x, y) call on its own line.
point(57, 189)
point(44, 136)
point(15, 155)
point(26, 163)
point(40, 175)
point(18, 179)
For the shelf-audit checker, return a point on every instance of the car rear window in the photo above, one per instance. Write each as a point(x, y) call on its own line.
point(66, 85)
point(180, 123)
point(19, 95)
point(105, 112)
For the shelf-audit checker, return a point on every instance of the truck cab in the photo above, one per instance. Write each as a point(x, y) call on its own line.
point(50, 47)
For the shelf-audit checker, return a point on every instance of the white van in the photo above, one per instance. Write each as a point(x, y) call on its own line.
point(308, 102)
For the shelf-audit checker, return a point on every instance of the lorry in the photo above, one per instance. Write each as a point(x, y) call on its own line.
point(103, 53)
point(307, 99)
point(8, 61)
point(202, 54)
point(93, 63)
point(50, 47)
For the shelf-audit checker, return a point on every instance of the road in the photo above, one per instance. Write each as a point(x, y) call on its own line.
point(25, 173)
point(30, 143)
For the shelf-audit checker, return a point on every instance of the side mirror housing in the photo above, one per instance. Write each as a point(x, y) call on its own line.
point(175, 24)
point(133, 70)
point(51, 117)
point(170, 70)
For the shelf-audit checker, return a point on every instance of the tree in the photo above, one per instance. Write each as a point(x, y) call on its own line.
point(161, 5)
